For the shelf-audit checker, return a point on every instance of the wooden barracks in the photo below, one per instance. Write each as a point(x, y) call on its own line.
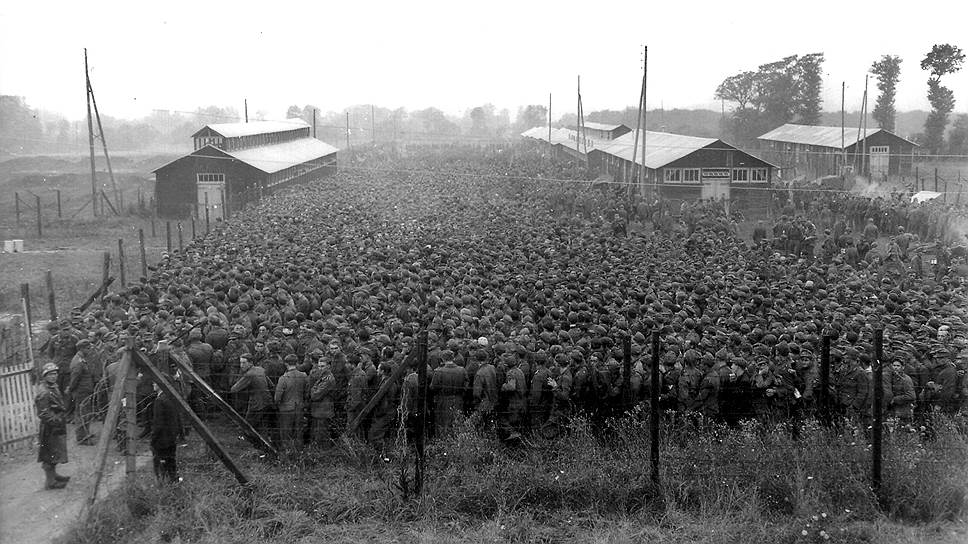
point(235, 163)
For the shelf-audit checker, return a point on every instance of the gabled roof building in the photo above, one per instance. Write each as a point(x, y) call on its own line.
point(815, 151)
point(236, 163)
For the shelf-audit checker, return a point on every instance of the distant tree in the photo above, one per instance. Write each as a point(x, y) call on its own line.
point(434, 121)
point(776, 93)
point(958, 136)
point(216, 114)
point(941, 60)
point(531, 116)
point(809, 86)
point(888, 71)
point(20, 126)
point(294, 112)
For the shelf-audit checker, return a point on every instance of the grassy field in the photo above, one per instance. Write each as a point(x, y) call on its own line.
point(71, 247)
point(754, 485)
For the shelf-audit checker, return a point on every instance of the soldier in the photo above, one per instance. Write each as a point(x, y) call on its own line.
point(61, 350)
point(514, 389)
point(290, 397)
point(254, 388)
point(485, 389)
point(687, 389)
point(381, 426)
point(165, 427)
point(322, 392)
point(447, 385)
point(52, 439)
point(707, 400)
point(81, 391)
point(357, 394)
point(540, 396)
point(858, 393)
point(201, 355)
point(902, 394)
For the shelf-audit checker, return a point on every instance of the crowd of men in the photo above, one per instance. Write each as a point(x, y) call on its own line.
point(300, 310)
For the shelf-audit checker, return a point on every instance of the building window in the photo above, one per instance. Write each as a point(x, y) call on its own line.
point(741, 175)
point(690, 175)
point(672, 175)
point(758, 174)
point(211, 177)
point(880, 149)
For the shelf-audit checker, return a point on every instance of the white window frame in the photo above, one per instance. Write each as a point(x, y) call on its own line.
point(691, 175)
point(735, 178)
point(759, 174)
point(672, 175)
point(210, 177)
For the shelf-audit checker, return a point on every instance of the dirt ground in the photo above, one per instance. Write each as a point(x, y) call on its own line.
point(29, 514)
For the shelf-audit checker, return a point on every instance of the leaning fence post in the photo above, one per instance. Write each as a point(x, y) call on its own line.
point(654, 410)
point(131, 414)
point(50, 296)
point(878, 385)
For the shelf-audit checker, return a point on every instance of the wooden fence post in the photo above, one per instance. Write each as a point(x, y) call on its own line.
point(144, 258)
point(107, 431)
point(131, 415)
point(105, 274)
point(40, 232)
point(59, 216)
point(421, 401)
point(121, 262)
point(877, 428)
point(654, 410)
point(28, 312)
point(168, 235)
point(50, 296)
point(16, 206)
point(193, 229)
point(181, 244)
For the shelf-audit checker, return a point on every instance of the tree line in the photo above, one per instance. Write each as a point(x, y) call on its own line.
point(788, 91)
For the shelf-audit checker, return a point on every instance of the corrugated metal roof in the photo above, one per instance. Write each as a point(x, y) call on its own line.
point(234, 130)
point(273, 158)
point(661, 148)
point(820, 136)
point(602, 126)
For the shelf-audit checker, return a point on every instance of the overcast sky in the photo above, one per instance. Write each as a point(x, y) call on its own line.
point(177, 55)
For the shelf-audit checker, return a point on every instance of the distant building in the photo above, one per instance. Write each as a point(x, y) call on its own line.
point(604, 131)
point(235, 163)
point(812, 152)
point(685, 167)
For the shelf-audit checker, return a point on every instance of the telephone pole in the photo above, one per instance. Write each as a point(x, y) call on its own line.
point(90, 135)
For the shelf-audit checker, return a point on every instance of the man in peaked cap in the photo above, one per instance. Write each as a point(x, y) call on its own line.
point(52, 439)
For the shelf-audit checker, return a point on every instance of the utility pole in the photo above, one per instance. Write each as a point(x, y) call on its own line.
point(860, 126)
point(645, 110)
point(549, 126)
point(90, 135)
point(578, 123)
point(372, 123)
point(865, 162)
point(843, 130)
point(347, 130)
point(245, 105)
point(314, 122)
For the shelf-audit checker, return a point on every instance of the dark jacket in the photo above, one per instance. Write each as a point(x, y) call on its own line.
point(165, 424)
point(53, 424)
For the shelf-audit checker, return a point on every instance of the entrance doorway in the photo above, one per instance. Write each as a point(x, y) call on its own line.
point(880, 161)
point(211, 196)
